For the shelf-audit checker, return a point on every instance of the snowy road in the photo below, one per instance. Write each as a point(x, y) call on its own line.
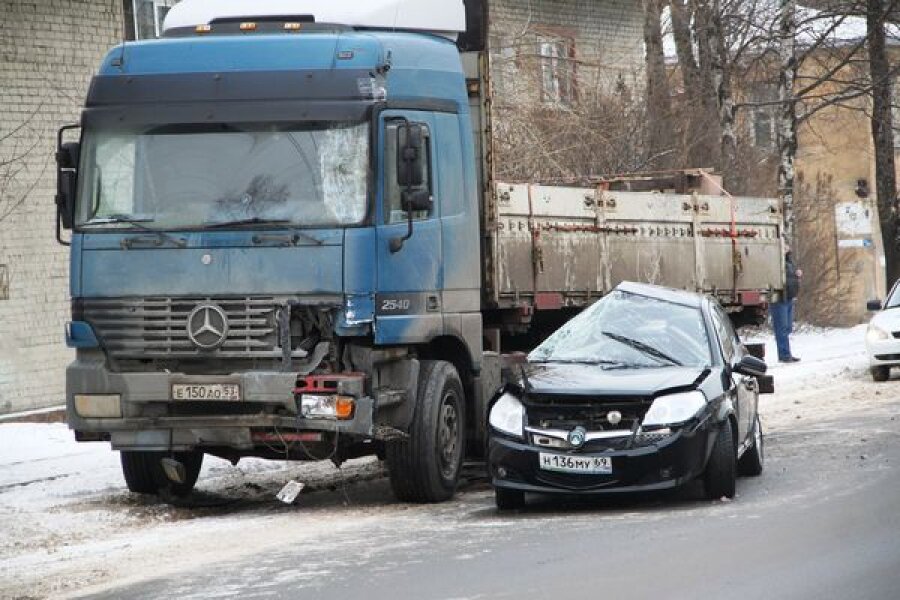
point(820, 521)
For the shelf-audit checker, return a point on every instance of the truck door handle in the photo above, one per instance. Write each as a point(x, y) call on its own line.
point(150, 241)
point(281, 240)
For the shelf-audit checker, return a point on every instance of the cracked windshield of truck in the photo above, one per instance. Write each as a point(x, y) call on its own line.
point(192, 177)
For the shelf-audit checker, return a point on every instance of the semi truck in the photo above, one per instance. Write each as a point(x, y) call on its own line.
point(287, 242)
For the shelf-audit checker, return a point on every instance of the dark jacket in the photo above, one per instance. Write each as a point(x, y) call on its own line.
point(792, 282)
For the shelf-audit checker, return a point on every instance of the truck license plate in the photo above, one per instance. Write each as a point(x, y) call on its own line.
point(563, 463)
point(229, 392)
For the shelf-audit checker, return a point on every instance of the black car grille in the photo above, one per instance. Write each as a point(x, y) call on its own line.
point(551, 411)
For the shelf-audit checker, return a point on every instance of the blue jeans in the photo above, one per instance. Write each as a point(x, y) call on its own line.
point(783, 323)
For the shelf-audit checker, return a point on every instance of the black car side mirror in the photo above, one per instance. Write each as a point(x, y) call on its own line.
point(751, 366)
point(874, 305)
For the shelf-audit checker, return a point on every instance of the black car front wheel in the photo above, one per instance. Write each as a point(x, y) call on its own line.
point(719, 479)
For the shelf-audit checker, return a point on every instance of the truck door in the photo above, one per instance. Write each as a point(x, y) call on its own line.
point(408, 299)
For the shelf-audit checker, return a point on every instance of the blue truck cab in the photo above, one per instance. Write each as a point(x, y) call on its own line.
point(275, 252)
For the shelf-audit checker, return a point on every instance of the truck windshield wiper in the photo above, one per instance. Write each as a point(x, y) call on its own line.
point(260, 221)
point(250, 221)
point(137, 223)
point(641, 346)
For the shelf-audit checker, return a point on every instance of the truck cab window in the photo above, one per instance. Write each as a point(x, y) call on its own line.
point(393, 206)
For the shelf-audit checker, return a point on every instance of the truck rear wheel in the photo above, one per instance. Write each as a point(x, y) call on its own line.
point(426, 466)
point(144, 473)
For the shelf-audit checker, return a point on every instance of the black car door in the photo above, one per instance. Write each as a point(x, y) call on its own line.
point(744, 387)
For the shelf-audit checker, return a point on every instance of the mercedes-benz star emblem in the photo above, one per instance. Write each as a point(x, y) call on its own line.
point(207, 326)
point(577, 437)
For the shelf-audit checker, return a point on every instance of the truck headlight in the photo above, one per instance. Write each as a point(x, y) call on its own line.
point(326, 407)
point(674, 409)
point(508, 415)
point(876, 334)
point(98, 406)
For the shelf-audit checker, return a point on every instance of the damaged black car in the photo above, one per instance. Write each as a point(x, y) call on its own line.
point(648, 389)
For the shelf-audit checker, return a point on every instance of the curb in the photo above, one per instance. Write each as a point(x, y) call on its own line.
point(54, 414)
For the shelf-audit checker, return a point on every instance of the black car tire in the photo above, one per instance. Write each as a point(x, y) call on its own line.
point(881, 373)
point(751, 463)
point(507, 499)
point(425, 467)
point(144, 473)
point(721, 470)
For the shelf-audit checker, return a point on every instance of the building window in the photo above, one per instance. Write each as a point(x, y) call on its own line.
point(557, 69)
point(147, 17)
point(764, 118)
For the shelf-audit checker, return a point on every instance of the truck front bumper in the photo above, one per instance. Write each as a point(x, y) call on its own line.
point(151, 420)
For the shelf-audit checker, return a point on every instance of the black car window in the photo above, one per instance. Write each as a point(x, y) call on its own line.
point(727, 336)
point(625, 329)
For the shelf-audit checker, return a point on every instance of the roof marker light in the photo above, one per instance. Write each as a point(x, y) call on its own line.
point(248, 26)
point(293, 26)
point(203, 28)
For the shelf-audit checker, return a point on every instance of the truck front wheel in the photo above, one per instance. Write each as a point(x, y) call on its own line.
point(144, 473)
point(425, 467)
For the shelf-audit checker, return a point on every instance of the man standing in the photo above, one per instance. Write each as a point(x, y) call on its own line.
point(783, 311)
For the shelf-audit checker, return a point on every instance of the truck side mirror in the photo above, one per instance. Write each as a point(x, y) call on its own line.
point(67, 156)
point(873, 305)
point(411, 155)
point(412, 175)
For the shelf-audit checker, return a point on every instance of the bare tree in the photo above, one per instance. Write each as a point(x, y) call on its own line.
point(20, 150)
point(787, 123)
point(659, 104)
point(883, 133)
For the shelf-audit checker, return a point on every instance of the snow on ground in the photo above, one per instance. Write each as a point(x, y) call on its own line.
point(66, 519)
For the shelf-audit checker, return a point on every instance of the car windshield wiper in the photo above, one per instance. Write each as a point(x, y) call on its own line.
point(578, 361)
point(260, 221)
point(137, 223)
point(641, 346)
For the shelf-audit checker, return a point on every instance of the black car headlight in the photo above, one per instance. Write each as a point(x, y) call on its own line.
point(508, 416)
point(674, 409)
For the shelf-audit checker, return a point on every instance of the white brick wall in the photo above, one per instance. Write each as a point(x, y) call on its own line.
point(48, 51)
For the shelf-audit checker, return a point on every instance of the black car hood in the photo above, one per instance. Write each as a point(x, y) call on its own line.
point(595, 380)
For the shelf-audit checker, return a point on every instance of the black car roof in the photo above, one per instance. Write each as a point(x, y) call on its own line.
point(662, 293)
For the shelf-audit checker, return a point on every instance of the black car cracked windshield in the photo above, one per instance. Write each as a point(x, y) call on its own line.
point(648, 389)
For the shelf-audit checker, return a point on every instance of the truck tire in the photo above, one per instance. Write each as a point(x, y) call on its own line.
point(144, 473)
point(425, 467)
point(881, 373)
point(721, 471)
point(507, 499)
point(751, 463)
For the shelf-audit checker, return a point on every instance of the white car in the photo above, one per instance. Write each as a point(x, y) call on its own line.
point(883, 336)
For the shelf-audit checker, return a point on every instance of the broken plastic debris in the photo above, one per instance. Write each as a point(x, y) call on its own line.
point(290, 491)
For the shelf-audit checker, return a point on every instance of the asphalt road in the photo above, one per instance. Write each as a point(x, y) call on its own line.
point(822, 522)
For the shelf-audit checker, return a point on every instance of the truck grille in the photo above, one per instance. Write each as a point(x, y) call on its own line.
point(157, 328)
